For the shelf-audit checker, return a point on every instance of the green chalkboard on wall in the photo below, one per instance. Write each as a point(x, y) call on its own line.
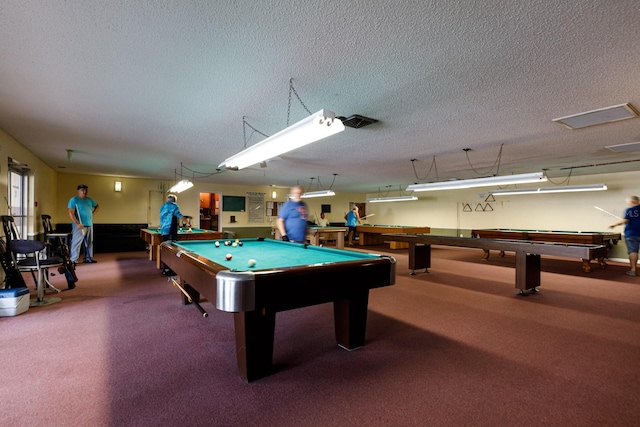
point(233, 203)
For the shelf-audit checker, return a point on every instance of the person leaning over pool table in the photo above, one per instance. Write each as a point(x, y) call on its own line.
point(631, 222)
point(292, 218)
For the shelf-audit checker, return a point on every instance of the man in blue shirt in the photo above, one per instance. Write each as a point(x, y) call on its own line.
point(631, 222)
point(169, 216)
point(81, 209)
point(292, 218)
point(353, 218)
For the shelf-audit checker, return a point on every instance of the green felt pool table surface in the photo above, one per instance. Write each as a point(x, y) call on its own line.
point(268, 253)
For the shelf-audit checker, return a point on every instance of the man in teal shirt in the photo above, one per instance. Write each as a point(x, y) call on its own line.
point(81, 209)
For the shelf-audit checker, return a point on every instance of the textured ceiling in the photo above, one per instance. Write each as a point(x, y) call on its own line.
point(135, 88)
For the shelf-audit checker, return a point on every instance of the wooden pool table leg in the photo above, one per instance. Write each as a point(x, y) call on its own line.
point(255, 332)
point(350, 317)
point(486, 254)
point(586, 265)
point(528, 268)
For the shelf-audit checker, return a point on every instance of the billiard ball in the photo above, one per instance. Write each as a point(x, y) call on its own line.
point(234, 244)
point(239, 243)
point(237, 240)
point(252, 263)
point(228, 256)
point(217, 244)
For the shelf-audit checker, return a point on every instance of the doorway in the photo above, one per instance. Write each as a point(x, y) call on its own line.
point(210, 211)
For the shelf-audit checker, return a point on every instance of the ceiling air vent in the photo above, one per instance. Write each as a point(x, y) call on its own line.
point(621, 148)
point(357, 121)
point(598, 117)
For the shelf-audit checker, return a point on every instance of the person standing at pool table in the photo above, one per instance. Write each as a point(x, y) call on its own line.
point(81, 209)
point(631, 222)
point(292, 218)
point(169, 216)
point(353, 218)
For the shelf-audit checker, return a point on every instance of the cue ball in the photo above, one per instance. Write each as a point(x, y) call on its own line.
point(252, 263)
point(217, 244)
point(228, 257)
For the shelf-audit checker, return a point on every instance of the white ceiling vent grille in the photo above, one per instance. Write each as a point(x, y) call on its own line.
point(598, 117)
point(622, 148)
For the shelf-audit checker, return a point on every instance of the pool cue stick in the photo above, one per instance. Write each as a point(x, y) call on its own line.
point(367, 216)
point(202, 310)
point(84, 235)
point(607, 212)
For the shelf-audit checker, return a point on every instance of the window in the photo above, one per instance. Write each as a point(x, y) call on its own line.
point(18, 197)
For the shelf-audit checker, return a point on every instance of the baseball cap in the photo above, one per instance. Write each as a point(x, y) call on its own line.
point(82, 186)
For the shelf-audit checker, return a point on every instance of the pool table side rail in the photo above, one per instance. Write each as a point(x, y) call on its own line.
point(559, 237)
point(584, 251)
point(235, 291)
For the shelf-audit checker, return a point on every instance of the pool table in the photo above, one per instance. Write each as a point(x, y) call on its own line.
point(153, 237)
point(528, 254)
point(286, 276)
point(372, 234)
point(606, 239)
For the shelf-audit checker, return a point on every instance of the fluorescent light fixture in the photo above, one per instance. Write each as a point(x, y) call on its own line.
point(598, 117)
point(313, 128)
point(391, 199)
point(180, 186)
point(321, 193)
point(118, 186)
point(546, 190)
point(479, 182)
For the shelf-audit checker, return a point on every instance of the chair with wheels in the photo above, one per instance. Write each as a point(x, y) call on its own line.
point(30, 255)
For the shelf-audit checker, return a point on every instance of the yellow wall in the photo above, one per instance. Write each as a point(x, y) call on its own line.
point(45, 180)
point(439, 209)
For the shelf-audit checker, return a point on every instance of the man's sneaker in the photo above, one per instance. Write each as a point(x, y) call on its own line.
point(630, 273)
point(89, 261)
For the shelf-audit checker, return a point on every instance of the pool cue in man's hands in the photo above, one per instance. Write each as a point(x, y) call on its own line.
point(84, 235)
point(607, 212)
point(367, 216)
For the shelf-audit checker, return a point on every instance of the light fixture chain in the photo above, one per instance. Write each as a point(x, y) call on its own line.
point(293, 90)
point(433, 164)
point(244, 132)
point(497, 162)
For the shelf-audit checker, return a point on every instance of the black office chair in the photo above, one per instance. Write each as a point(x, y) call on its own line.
point(30, 255)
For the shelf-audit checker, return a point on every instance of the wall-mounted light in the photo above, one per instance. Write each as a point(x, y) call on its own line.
point(118, 186)
point(274, 194)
